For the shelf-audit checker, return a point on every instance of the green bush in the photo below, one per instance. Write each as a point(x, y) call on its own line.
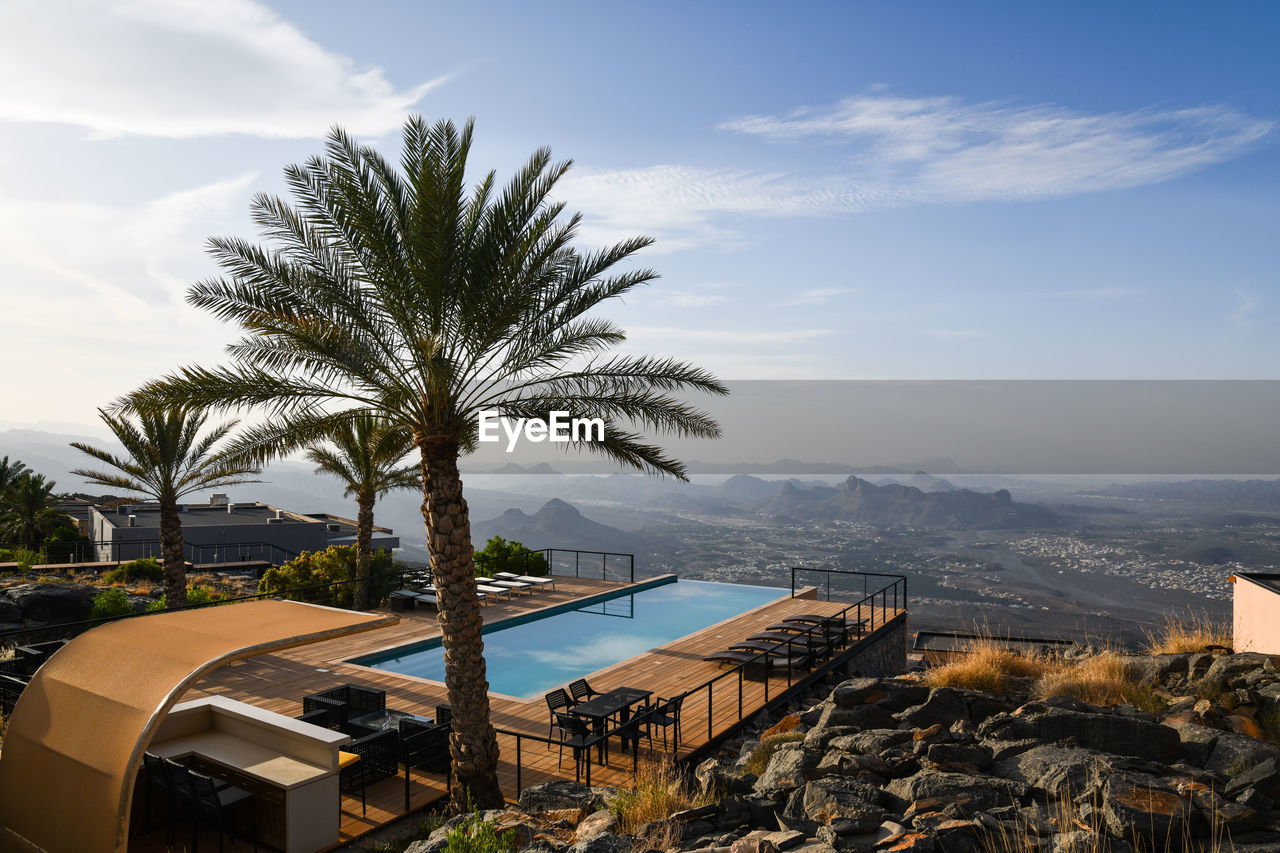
point(195, 595)
point(141, 569)
point(499, 555)
point(24, 557)
point(109, 603)
point(333, 565)
point(479, 836)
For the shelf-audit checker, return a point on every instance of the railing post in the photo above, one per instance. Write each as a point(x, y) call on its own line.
point(519, 786)
point(711, 690)
point(739, 694)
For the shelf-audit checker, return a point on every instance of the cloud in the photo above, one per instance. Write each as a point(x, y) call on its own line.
point(692, 298)
point(819, 296)
point(1093, 293)
point(745, 337)
point(908, 151)
point(185, 68)
point(956, 334)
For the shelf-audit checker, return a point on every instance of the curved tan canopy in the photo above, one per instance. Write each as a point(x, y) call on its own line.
point(77, 735)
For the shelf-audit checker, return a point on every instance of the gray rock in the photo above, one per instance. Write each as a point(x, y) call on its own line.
point(1084, 841)
point(857, 717)
point(1054, 771)
point(1233, 754)
point(1197, 741)
point(944, 706)
point(604, 843)
point(956, 756)
point(733, 813)
point(1105, 732)
point(1263, 777)
point(1228, 667)
point(711, 777)
point(788, 768)
point(1143, 805)
point(855, 806)
point(594, 824)
point(10, 612)
point(871, 742)
point(551, 796)
point(969, 793)
point(53, 602)
point(857, 691)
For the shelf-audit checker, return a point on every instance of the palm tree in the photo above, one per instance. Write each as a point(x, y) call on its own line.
point(166, 460)
point(10, 472)
point(366, 456)
point(26, 511)
point(419, 298)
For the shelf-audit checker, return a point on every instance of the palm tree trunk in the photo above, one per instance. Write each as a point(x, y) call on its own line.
point(473, 743)
point(364, 548)
point(175, 562)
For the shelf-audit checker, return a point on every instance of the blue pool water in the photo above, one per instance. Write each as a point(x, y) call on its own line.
point(530, 658)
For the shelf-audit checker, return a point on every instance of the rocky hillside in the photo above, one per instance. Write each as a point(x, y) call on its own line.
point(894, 765)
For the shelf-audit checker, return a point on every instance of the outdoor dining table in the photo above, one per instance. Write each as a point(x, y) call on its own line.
point(386, 720)
point(599, 709)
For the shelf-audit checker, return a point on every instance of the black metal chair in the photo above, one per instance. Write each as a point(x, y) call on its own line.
point(666, 715)
point(378, 760)
point(157, 779)
point(219, 803)
point(425, 746)
point(582, 691)
point(575, 733)
point(556, 699)
point(444, 714)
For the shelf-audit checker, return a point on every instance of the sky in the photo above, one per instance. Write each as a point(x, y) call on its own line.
point(852, 190)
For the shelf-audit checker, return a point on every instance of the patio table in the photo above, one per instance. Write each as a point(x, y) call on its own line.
point(386, 720)
point(600, 708)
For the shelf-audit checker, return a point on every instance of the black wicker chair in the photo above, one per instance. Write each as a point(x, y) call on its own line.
point(378, 760)
point(444, 714)
point(556, 700)
point(157, 776)
point(424, 746)
point(346, 701)
point(575, 733)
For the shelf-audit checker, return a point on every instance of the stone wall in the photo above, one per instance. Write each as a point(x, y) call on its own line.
point(884, 654)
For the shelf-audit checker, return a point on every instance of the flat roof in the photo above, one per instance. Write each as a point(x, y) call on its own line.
point(205, 516)
point(1266, 580)
point(954, 641)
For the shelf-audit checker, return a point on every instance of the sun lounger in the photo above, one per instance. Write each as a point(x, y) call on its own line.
point(530, 579)
point(494, 590)
point(519, 585)
point(738, 656)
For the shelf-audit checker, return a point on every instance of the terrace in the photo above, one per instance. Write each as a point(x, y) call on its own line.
point(716, 697)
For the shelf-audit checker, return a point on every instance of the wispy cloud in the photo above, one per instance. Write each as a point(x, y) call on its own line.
point(819, 296)
point(1092, 293)
point(906, 151)
point(697, 297)
point(185, 68)
point(727, 336)
point(956, 334)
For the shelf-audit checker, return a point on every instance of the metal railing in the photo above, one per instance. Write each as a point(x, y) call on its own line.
point(866, 582)
point(120, 551)
point(864, 616)
point(564, 562)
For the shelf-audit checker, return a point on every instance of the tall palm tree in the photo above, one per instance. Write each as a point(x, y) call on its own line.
point(410, 294)
point(27, 514)
point(166, 460)
point(366, 456)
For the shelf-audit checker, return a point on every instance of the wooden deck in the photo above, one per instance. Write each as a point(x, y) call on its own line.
point(278, 683)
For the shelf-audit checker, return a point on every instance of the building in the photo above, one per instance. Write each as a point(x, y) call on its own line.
point(223, 532)
point(1255, 606)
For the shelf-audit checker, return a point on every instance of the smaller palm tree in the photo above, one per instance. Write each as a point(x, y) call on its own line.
point(166, 460)
point(366, 455)
point(27, 514)
point(10, 472)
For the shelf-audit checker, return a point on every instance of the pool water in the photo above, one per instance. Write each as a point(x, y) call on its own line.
point(541, 654)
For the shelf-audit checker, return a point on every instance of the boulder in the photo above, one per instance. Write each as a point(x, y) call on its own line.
point(603, 843)
point(789, 767)
point(1233, 754)
point(944, 705)
point(1084, 841)
point(1145, 806)
point(53, 602)
point(1263, 777)
point(857, 691)
point(969, 793)
point(850, 806)
point(550, 796)
point(1197, 740)
point(10, 612)
point(594, 824)
point(857, 717)
point(711, 777)
point(958, 756)
point(1228, 668)
point(871, 742)
point(1119, 734)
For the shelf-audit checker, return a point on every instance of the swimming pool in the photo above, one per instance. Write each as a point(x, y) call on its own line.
point(528, 657)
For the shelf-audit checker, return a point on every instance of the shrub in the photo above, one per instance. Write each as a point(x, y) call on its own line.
point(196, 595)
point(499, 555)
point(24, 557)
point(659, 792)
point(986, 665)
point(141, 569)
point(323, 569)
point(1194, 632)
point(109, 603)
point(479, 836)
point(759, 759)
point(1101, 679)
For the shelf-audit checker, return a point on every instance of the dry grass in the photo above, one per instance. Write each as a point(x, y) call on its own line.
point(1100, 679)
point(1194, 632)
point(658, 793)
point(759, 759)
point(985, 665)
